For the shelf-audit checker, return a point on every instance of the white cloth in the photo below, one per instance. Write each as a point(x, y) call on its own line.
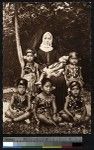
point(46, 48)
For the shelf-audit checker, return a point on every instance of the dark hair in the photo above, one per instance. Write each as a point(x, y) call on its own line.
point(22, 81)
point(72, 54)
point(44, 80)
point(29, 51)
point(75, 83)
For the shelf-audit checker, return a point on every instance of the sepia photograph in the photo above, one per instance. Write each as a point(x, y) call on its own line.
point(46, 68)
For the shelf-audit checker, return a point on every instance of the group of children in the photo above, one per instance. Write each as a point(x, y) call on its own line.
point(28, 99)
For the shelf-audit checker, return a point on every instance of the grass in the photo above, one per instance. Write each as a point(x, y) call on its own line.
point(67, 128)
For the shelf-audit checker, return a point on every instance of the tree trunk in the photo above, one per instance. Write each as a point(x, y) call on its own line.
point(18, 43)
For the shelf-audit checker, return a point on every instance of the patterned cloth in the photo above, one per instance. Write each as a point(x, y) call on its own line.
point(30, 74)
point(20, 102)
point(75, 105)
point(44, 105)
point(73, 72)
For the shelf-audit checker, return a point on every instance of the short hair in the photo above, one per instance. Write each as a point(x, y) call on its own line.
point(22, 81)
point(73, 55)
point(29, 51)
point(44, 80)
point(75, 83)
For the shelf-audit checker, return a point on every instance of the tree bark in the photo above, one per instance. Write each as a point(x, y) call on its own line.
point(18, 43)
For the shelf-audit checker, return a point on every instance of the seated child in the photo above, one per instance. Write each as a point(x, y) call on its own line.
point(20, 103)
point(72, 70)
point(54, 70)
point(45, 107)
point(74, 108)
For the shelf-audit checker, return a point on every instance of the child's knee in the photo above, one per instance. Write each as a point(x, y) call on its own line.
point(40, 116)
point(28, 113)
point(25, 115)
point(87, 118)
point(8, 114)
point(65, 116)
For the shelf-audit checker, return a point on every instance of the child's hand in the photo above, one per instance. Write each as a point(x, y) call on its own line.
point(54, 117)
point(19, 112)
point(81, 119)
point(75, 119)
point(14, 111)
point(37, 120)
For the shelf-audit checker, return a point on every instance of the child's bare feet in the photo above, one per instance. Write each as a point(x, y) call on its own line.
point(62, 124)
point(27, 121)
point(38, 83)
point(9, 120)
point(37, 129)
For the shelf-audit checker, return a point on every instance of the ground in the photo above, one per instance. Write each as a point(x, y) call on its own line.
point(66, 128)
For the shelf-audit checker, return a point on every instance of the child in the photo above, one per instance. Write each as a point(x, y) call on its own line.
point(20, 103)
point(59, 68)
point(45, 106)
point(29, 69)
point(72, 70)
point(55, 69)
point(74, 108)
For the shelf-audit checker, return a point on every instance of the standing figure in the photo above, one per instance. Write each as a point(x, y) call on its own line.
point(29, 69)
point(72, 70)
point(19, 108)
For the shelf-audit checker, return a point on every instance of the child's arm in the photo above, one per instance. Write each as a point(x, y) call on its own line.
point(58, 66)
point(35, 109)
point(84, 113)
point(65, 108)
point(28, 108)
point(80, 73)
point(65, 73)
point(37, 72)
point(54, 109)
point(11, 103)
point(58, 73)
point(54, 106)
point(40, 78)
point(81, 77)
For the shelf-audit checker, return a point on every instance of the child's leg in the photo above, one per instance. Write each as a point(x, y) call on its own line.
point(41, 78)
point(46, 120)
point(8, 114)
point(65, 116)
point(87, 118)
point(22, 117)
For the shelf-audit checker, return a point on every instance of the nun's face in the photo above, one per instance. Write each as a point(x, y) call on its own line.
point(47, 40)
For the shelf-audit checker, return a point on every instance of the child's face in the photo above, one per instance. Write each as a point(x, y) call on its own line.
point(21, 89)
point(30, 57)
point(47, 87)
point(73, 61)
point(75, 91)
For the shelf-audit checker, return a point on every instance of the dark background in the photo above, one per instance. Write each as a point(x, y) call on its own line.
point(68, 22)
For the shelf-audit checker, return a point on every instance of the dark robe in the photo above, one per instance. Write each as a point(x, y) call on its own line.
point(42, 58)
point(59, 82)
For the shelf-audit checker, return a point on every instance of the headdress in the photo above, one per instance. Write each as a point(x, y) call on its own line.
point(46, 47)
